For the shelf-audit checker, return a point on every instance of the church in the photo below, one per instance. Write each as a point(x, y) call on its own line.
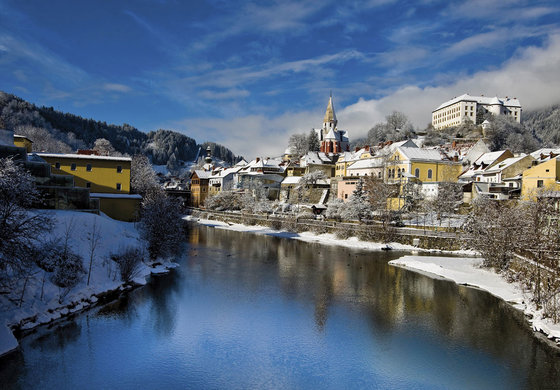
point(333, 141)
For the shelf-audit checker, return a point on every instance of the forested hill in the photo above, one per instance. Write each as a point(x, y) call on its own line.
point(544, 123)
point(59, 132)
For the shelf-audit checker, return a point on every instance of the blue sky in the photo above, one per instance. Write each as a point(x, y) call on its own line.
point(249, 74)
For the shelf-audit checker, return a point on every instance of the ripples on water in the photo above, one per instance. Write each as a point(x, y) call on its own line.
point(246, 311)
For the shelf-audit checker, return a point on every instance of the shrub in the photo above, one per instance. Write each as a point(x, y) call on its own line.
point(128, 262)
point(343, 233)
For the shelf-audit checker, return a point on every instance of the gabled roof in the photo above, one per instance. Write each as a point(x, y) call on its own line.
point(365, 163)
point(201, 174)
point(421, 154)
point(315, 158)
point(505, 164)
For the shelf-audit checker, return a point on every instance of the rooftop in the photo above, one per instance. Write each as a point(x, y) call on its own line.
point(487, 100)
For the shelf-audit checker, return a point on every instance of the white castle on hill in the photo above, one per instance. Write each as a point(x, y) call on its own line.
point(465, 108)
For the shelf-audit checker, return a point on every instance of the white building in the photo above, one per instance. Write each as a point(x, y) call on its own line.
point(465, 107)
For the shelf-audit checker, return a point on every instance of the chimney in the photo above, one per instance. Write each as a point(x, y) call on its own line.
point(357, 148)
point(366, 148)
point(455, 158)
point(454, 144)
point(258, 159)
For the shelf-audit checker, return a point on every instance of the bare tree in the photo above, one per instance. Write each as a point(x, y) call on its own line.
point(299, 143)
point(93, 240)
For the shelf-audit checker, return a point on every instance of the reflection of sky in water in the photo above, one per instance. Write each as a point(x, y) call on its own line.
point(260, 312)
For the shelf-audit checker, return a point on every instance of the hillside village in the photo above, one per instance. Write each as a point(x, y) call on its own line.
point(411, 171)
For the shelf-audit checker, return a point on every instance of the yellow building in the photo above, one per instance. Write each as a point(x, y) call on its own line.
point(424, 167)
point(421, 165)
point(107, 178)
point(23, 142)
point(542, 177)
point(103, 174)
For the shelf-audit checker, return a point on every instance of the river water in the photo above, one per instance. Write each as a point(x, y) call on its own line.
point(258, 312)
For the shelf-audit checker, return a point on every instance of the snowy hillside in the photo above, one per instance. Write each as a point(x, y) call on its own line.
point(43, 301)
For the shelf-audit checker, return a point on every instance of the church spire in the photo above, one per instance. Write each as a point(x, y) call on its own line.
point(330, 117)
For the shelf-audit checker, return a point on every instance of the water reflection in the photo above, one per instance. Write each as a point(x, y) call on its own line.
point(247, 311)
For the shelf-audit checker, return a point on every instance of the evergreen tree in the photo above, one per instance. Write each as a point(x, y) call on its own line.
point(313, 144)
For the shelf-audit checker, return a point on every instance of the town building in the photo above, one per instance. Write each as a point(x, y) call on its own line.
point(467, 108)
point(332, 140)
point(544, 177)
point(199, 186)
point(106, 177)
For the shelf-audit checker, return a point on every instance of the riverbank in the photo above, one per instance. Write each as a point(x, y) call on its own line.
point(468, 272)
point(462, 270)
point(42, 302)
point(324, 238)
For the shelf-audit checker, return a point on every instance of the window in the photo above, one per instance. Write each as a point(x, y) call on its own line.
point(379, 174)
point(88, 167)
point(119, 186)
point(540, 183)
point(345, 196)
point(119, 168)
point(73, 167)
point(417, 172)
point(429, 173)
point(88, 185)
point(57, 165)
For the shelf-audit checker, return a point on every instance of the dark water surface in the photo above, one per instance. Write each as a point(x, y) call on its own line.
point(257, 312)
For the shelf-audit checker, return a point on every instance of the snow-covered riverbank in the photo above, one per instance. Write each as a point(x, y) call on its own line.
point(467, 271)
point(41, 303)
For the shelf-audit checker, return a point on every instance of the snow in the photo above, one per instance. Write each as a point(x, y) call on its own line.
point(84, 156)
point(468, 271)
point(115, 236)
point(325, 239)
point(7, 340)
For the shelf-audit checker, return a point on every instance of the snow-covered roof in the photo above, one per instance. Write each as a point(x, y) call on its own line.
point(421, 154)
point(241, 163)
point(220, 173)
point(315, 158)
point(489, 158)
point(505, 164)
point(365, 163)
point(202, 174)
point(291, 180)
point(486, 100)
point(545, 153)
point(83, 156)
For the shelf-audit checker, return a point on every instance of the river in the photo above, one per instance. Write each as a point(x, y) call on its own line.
point(245, 311)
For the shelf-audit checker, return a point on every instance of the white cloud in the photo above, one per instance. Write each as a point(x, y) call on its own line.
point(532, 76)
point(114, 87)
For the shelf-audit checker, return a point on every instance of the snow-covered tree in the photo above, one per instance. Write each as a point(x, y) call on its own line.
point(493, 229)
point(358, 205)
point(335, 208)
point(142, 175)
point(20, 228)
point(104, 147)
point(161, 224)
